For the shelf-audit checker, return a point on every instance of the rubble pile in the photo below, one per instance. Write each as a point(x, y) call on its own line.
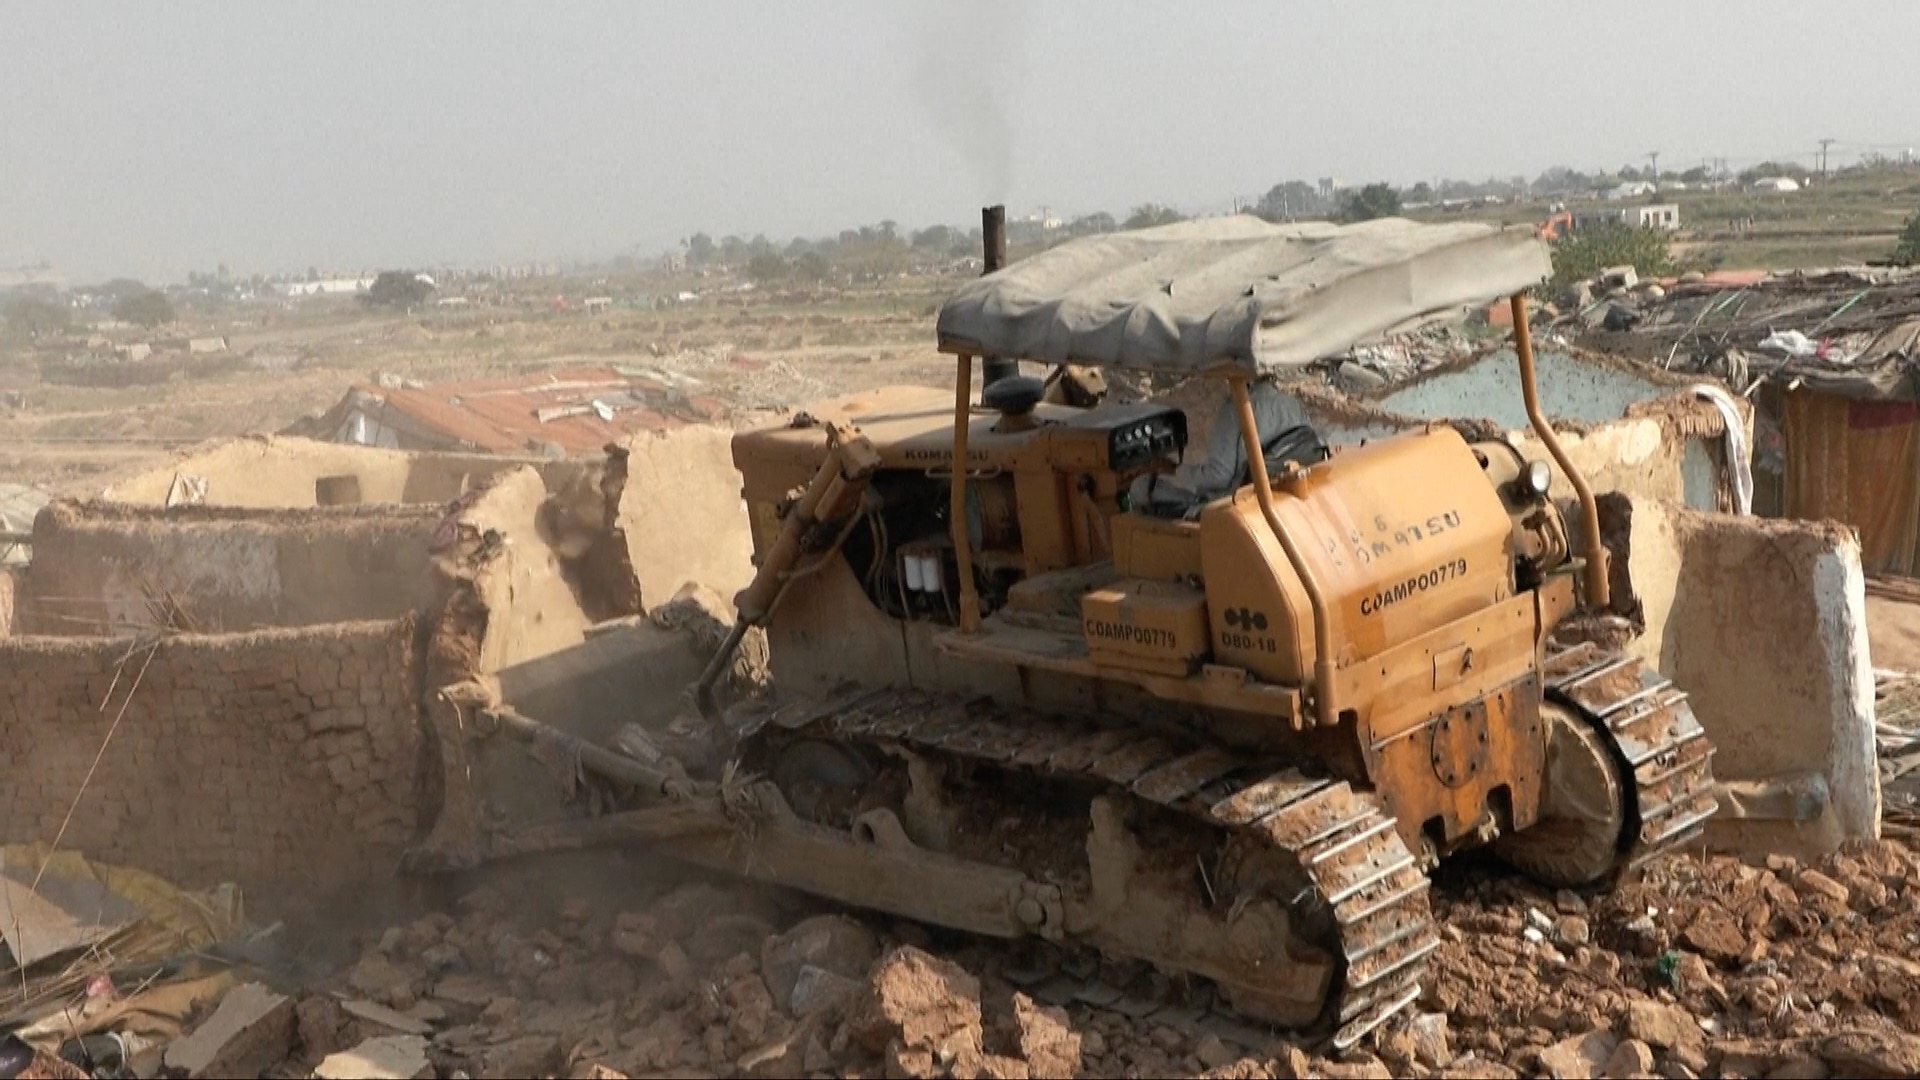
point(1703, 967)
point(1853, 325)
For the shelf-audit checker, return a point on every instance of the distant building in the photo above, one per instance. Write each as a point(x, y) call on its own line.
point(1633, 189)
point(673, 262)
point(597, 304)
point(1776, 183)
point(207, 345)
point(1663, 216)
point(1652, 216)
point(325, 287)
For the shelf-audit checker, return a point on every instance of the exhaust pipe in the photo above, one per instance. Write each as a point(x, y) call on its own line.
point(993, 238)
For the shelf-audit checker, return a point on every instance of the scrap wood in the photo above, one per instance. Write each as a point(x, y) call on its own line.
point(149, 926)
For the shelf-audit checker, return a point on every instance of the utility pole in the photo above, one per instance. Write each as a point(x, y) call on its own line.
point(1653, 163)
point(1824, 143)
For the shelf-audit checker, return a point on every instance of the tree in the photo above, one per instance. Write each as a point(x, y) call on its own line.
point(1907, 251)
point(1591, 250)
point(937, 238)
point(37, 316)
point(699, 249)
point(1372, 201)
point(766, 268)
point(1766, 169)
point(120, 288)
point(1288, 200)
point(1696, 175)
point(811, 266)
point(148, 308)
point(1421, 192)
point(1089, 224)
point(398, 289)
point(1147, 215)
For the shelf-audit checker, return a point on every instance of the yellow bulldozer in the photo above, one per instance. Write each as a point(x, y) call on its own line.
point(1040, 675)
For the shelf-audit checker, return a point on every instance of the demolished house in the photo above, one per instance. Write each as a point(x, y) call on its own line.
point(1827, 360)
point(552, 414)
point(282, 648)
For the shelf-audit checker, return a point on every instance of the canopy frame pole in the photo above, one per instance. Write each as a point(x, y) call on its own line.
point(1598, 593)
point(957, 500)
point(1324, 711)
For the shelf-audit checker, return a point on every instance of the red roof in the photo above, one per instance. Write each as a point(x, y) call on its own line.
point(579, 410)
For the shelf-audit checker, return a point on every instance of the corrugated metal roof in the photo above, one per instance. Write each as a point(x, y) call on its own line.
point(578, 410)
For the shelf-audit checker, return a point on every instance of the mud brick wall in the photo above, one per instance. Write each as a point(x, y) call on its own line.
point(104, 568)
point(284, 760)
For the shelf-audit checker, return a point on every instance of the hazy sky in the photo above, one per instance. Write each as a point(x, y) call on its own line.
point(156, 138)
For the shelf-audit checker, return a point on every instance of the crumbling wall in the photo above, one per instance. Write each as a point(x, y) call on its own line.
point(285, 760)
point(682, 514)
point(103, 569)
point(527, 570)
point(1763, 623)
point(282, 471)
point(536, 562)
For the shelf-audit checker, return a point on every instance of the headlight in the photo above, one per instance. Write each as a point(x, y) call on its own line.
point(1537, 479)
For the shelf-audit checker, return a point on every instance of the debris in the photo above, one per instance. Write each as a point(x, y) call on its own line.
point(833, 943)
point(380, 1014)
point(1873, 1054)
point(1051, 1048)
point(1580, 1057)
point(250, 1030)
point(383, 1057)
point(917, 1006)
point(1631, 1058)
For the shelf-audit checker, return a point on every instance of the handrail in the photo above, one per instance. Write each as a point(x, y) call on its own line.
point(957, 501)
point(1598, 592)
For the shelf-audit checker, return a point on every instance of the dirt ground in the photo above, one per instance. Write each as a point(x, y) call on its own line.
point(65, 423)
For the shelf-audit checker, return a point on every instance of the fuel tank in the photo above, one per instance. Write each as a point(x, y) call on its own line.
point(1403, 535)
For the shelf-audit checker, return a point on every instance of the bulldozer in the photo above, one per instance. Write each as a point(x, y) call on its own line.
point(1034, 680)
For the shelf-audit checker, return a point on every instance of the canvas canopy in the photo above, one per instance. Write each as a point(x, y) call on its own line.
point(1234, 292)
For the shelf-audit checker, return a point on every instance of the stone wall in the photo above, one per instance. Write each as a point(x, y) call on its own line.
point(285, 760)
point(1763, 623)
point(101, 568)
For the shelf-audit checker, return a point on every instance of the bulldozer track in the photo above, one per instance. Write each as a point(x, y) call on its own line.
point(1659, 742)
point(1343, 837)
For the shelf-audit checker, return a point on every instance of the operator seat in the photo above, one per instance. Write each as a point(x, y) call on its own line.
point(1219, 467)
